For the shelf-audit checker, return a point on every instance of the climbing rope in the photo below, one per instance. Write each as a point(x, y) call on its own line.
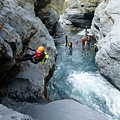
point(11, 36)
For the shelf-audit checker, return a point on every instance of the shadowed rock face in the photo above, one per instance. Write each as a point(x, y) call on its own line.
point(105, 28)
point(6, 59)
point(40, 4)
point(47, 13)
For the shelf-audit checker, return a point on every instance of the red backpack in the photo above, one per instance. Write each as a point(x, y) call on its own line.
point(83, 40)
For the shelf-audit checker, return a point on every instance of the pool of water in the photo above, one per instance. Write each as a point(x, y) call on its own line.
point(76, 76)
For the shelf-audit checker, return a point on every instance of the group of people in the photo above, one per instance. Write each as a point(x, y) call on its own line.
point(86, 40)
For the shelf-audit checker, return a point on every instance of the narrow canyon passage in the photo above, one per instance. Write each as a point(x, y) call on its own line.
point(76, 76)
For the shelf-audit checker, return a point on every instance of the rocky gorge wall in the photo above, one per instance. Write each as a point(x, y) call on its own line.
point(81, 12)
point(20, 27)
point(105, 27)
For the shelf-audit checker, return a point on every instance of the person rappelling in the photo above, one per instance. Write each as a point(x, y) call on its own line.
point(39, 56)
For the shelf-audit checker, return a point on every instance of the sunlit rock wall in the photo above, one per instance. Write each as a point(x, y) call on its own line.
point(105, 27)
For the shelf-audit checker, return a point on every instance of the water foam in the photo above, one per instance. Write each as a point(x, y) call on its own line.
point(93, 90)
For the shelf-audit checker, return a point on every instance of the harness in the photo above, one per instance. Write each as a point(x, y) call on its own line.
point(39, 57)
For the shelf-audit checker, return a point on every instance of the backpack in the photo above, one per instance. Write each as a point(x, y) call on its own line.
point(39, 56)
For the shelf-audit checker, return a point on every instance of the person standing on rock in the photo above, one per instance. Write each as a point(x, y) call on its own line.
point(38, 56)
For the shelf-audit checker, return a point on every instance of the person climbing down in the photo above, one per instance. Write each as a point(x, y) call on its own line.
point(95, 47)
point(38, 56)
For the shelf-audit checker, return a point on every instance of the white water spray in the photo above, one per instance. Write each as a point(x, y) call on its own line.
point(93, 90)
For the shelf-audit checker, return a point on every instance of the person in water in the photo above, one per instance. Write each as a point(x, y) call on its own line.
point(70, 45)
point(84, 41)
point(38, 56)
point(66, 39)
point(88, 41)
point(95, 47)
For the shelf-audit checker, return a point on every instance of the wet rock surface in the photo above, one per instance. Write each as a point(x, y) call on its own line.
point(105, 28)
point(59, 110)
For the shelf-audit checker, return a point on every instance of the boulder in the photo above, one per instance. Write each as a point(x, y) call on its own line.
point(9, 114)
point(80, 14)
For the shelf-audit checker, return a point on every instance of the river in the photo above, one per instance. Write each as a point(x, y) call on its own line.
point(76, 76)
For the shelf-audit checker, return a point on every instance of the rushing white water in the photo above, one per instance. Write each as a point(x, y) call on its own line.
point(93, 90)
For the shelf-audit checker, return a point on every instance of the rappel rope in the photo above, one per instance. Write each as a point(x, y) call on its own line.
point(11, 36)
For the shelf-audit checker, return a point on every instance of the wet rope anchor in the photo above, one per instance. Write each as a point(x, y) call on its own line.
point(11, 36)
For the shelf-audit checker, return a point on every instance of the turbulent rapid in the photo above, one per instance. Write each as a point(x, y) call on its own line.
point(76, 76)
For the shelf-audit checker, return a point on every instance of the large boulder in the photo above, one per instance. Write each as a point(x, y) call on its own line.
point(105, 28)
point(9, 114)
point(58, 110)
point(80, 14)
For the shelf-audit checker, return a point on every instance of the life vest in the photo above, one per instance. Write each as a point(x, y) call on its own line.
point(70, 44)
point(45, 58)
point(86, 42)
point(83, 40)
point(37, 55)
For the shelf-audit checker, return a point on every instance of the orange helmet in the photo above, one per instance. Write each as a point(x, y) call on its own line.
point(40, 49)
